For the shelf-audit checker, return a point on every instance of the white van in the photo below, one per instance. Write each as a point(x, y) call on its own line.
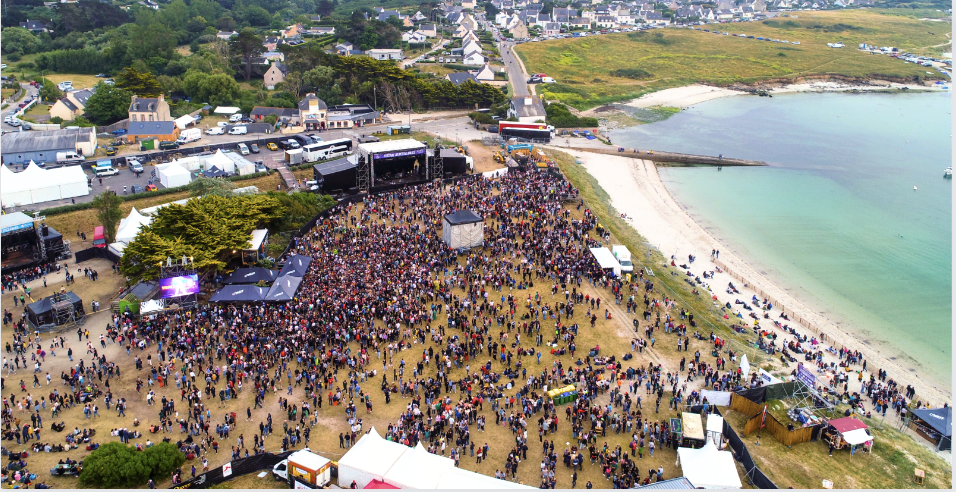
point(65, 86)
point(243, 149)
point(235, 118)
point(68, 157)
point(238, 130)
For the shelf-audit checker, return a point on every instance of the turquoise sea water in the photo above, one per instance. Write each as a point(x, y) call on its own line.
point(835, 217)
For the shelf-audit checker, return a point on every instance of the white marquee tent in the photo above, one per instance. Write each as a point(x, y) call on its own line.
point(36, 185)
point(172, 175)
point(131, 225)
point(418, 469)
point(460, 479)
point(606, 260)
point(709, 468)
point(369, 459)
point(185, 120)
point(221, 161)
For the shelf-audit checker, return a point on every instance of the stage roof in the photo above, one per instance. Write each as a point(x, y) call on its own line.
point(15, 222)
point(388, 146)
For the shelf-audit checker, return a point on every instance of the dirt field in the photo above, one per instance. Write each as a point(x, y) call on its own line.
point(613, 335)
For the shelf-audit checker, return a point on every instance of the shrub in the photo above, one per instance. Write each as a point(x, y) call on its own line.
point(631, 73)
point(481, 118)
point(115, 465)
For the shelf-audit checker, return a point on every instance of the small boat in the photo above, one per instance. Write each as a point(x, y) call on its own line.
point(948, 173)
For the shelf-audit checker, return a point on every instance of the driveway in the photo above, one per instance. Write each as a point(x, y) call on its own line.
point(29, 90)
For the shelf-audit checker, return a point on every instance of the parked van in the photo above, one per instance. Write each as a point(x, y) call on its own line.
point(243, 149)
point(190, 135)
point(238, 130)
point(68, 157)
point(99, 237)
point(168, 145)
point(235, 118)
point(102, 165)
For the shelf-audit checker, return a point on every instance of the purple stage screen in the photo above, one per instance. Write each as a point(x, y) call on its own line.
point(178, 286)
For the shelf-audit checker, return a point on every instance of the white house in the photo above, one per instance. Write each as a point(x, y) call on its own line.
point(475, 58)
point(383, 54)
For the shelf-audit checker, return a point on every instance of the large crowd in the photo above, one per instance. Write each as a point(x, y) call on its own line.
point(381, 287)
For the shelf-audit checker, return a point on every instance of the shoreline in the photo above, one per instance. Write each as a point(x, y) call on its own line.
point(690, 95)
point(635, 188)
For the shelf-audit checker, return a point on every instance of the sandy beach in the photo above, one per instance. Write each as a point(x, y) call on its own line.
point(636, 190)
point(689, 95)
point(682, 97)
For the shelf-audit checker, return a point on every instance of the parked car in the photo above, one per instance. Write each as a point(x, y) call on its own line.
point(101, 75)
point(151, 187)
point(111, 151)
point(272, 146)
point(260, 167)
point(136, 189)
point(121, 131)
point(135, 166)
point(168, 145)
point(254, 148)
point(107, 172)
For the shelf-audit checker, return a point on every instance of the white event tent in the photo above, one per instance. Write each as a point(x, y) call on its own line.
point(131, 225)
point(221, 161)
point(606, 260)
point(172, 175)
point(36, 185)
point(708, 467)
point(369, 459)
point(418, 469)
point(460, 479)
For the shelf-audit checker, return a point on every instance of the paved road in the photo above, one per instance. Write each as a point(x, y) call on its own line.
point(29, 90)
point(518, 79)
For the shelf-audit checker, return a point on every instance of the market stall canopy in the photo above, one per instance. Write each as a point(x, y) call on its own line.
point(251, 275)
point(857, 436)
point(847, 424)
point(284, 288)
point(296, 265)
point(240, 293)
point(940, 419)
point(709, 468)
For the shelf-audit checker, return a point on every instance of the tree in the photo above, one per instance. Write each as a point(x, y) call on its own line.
point(207, 228)
point(490, 11)
point(257, 16)
point(140, 83)
point(107, 206)
point(49, 92)
point(324, 8)
point(115, 465)
point(18, 40)
point(203, 186)
point(248, 45)
point(108, 104)
point(216, 89)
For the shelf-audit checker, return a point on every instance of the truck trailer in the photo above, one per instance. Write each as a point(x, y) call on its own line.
point(537, 132)
point(306, 466)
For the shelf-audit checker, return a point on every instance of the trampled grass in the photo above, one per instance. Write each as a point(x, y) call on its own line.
point(676, 57)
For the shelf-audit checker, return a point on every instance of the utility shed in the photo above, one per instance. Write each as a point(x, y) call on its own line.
point(463, 229)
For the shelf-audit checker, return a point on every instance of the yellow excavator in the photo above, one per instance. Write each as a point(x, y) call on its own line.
point(498, 157)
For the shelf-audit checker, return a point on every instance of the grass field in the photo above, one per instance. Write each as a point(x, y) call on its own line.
point(675, 57)
point(79, 81)
point(890, 466)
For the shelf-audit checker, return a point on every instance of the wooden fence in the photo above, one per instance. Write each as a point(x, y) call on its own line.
point(772, 425)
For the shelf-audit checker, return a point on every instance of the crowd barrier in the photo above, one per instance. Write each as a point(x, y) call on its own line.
point(90, 253)
point(236, 468)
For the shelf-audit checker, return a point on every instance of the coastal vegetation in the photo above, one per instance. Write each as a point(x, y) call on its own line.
point(615, 67)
